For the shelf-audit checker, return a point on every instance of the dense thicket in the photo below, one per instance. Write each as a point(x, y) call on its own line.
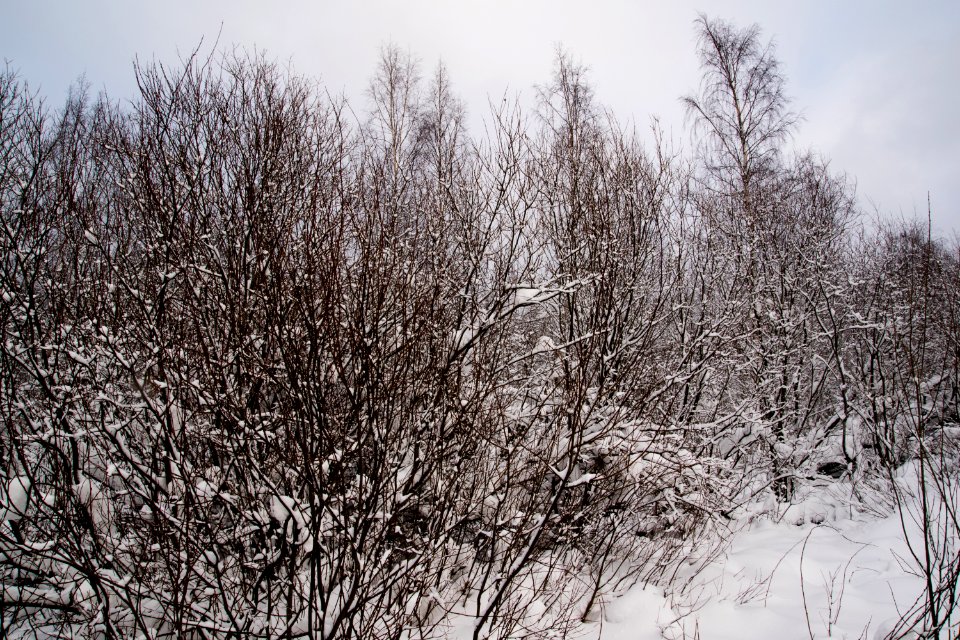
point(273, 366)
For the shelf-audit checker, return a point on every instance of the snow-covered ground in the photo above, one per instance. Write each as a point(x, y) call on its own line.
point(819, 569)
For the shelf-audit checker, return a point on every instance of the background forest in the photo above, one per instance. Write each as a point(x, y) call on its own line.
point(276, 365)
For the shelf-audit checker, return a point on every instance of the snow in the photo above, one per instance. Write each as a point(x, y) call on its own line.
point(584, 479)
point(16, 498)
point(463, 338)
point(525, 295)
point(545, 344)
point(838, 573)
point(637, 615)
point(779, 576)
point(283, 508)
point(93, 495)
point(206, 491)
point(292, 516)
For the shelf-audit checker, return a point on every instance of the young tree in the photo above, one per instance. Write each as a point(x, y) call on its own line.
point(779, 225)
point(741, 111)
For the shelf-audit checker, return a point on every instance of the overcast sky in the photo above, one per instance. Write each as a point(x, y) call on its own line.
point(878, 82)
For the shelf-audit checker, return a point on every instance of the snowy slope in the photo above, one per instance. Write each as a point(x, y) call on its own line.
point(850, 576)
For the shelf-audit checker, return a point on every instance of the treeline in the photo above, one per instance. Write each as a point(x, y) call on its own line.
point(276, 366)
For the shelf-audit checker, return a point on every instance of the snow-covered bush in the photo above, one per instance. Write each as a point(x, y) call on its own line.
point(276, 367)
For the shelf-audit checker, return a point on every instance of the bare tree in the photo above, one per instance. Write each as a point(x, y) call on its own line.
point(274, 369)
point(741, 111)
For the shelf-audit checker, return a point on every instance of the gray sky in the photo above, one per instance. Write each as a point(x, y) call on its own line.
point(878, 82)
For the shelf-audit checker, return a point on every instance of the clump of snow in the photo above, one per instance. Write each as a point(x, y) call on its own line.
point(92, 494)
point(205, 490)
point(291, 516)
point(525, 295)
point(14, 502)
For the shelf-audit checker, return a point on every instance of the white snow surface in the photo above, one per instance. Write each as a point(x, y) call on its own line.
point(838, 574)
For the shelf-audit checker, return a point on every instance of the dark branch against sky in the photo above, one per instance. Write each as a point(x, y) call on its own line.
point(876, 82)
